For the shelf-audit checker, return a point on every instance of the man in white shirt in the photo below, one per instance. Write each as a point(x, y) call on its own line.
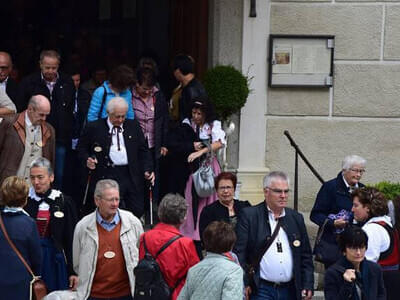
point(284, 270)
point(115, 148)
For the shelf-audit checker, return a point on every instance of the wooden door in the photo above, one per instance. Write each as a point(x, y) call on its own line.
point(189, 31)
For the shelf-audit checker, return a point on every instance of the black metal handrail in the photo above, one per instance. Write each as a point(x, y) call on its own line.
point(296, 169)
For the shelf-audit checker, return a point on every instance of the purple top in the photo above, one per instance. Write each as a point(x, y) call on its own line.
point(144, 113)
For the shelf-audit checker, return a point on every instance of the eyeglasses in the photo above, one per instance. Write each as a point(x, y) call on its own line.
point(279, 191)
point(228, 188)
point(361, 171)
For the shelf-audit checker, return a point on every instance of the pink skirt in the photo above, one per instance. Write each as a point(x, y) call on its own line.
point(187, 228)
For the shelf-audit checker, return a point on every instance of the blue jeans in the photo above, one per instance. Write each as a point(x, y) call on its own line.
point(268, 292)
point(61, 151)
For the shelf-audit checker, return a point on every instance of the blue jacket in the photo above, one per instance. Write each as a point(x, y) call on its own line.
point(97, 98)
point(15, 279)
point(332, 198)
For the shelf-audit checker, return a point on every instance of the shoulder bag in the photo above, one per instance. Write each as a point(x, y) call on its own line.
point(251, 270)
point(325, 252)
point(203, 178)
point(38, 288)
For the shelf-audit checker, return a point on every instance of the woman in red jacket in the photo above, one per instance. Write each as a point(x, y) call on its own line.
point(179, 256)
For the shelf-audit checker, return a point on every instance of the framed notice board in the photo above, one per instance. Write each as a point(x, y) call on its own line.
point(301, 61)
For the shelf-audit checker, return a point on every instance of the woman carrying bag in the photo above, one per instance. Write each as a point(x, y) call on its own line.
point(22, 232)
point(208, 138)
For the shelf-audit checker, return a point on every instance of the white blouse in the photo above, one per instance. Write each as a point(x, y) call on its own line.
point(215, 131)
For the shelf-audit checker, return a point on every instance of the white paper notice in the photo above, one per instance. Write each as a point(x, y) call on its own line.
point(311, 59)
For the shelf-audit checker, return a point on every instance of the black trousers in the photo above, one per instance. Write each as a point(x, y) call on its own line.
point(127, 191)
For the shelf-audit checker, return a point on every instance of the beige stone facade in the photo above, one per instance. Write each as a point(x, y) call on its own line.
point(359, 115)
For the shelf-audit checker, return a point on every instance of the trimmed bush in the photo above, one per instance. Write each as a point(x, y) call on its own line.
point(390, 189)
point(227, 88)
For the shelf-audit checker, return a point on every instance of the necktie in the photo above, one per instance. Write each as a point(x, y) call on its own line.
point(116, 130)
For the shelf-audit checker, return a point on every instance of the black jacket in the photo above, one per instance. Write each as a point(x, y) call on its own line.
point(160, 123)
point(81, 115)
point(61, 100)
point(61, 229)
point(139, 159)
point(252, 231)
point(12, 90)
point(180, 145)
point(192, 90)
point(217, 212)
point(336, 288)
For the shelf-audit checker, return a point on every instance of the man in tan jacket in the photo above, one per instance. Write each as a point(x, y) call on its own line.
point(25, 137)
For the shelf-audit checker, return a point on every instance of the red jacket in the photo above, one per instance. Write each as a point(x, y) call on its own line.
point(175, 260)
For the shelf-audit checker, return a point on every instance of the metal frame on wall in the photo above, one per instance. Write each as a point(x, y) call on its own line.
point(301, 60)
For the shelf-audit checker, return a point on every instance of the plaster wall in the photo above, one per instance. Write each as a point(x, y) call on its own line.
point(359, 115)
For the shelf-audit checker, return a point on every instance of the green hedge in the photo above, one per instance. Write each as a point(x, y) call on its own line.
point(390, 189)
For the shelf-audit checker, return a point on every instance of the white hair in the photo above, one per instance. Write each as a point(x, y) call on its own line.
point(351, 160)
point(103, 185)
point(274, 175)
point(116, 102)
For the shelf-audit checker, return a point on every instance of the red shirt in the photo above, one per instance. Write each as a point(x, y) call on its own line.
point(175, 260)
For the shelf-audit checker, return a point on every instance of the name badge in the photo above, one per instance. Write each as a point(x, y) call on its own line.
point(109, 254)
point(296, 243)
point(97, 149)
point(59, 214)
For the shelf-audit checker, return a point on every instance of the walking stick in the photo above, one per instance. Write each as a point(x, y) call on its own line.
point(151, 205)
point(87, 187)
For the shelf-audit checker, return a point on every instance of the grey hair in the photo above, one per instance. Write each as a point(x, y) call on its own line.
point(50, 53)
point(103, 185)
point(116, 102)
point(274, 175)
point(172, 209)
point(352, 160)
point(42, 162)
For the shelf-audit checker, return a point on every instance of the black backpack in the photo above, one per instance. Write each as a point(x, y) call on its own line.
point(149, 281)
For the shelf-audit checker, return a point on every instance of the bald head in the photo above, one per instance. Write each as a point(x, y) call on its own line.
point(5, 65)
point(38, 109)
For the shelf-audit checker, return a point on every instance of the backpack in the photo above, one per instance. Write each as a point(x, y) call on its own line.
point(149, 281)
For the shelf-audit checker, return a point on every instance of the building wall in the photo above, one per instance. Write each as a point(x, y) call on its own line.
point(360, 114)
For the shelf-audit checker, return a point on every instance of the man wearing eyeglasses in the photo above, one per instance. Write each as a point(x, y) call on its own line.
point(272, 241)
point(26, 137)
point(333, 203)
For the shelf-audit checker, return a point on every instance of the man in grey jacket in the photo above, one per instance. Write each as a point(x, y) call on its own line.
point(105, 247)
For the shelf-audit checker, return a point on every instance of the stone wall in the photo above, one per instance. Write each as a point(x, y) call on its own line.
point(359, 115)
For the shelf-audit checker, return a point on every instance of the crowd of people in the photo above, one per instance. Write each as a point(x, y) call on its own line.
point(82, 170)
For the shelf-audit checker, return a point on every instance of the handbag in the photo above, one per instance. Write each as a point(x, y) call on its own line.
point(38, 289)
point(203, 178)
point(251, 269)
point(325, 252)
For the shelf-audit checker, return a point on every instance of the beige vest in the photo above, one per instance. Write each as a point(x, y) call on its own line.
point(33, 150)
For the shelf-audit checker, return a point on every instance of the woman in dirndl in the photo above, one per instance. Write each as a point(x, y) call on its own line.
point(55, 218)
point(208, 137)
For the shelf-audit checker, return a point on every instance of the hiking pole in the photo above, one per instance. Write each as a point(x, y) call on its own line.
point(151, 205)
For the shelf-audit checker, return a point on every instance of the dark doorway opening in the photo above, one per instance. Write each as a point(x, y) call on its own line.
point(110, 32)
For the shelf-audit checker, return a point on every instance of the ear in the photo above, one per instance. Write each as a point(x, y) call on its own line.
point(51, 178)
